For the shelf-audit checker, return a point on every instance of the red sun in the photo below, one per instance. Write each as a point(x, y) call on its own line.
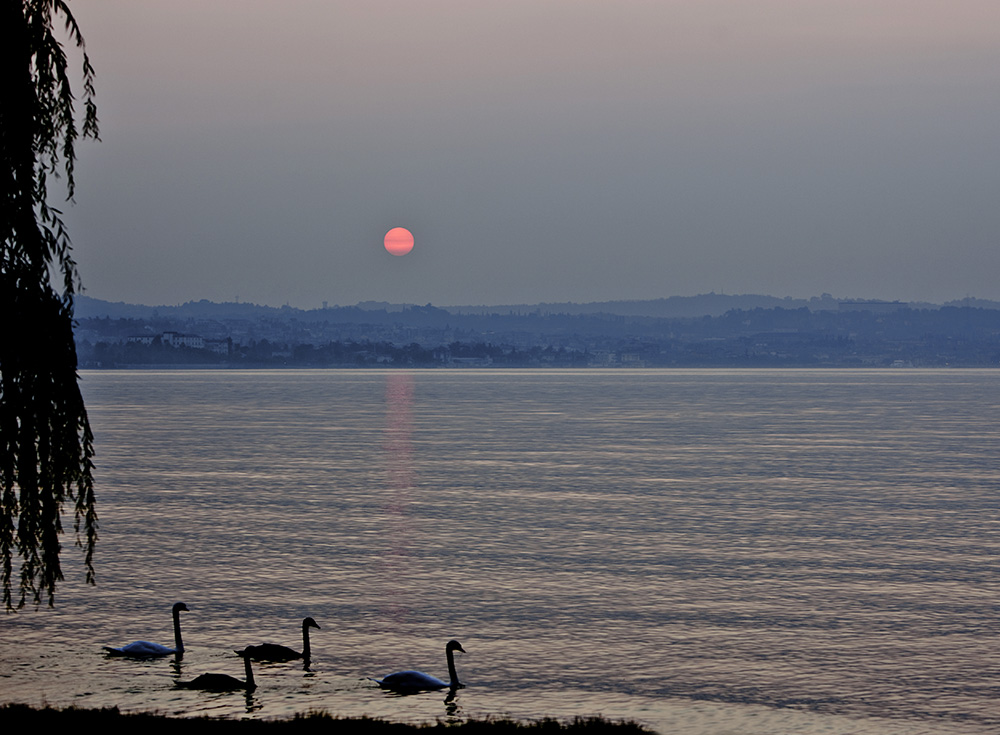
point(399, 241)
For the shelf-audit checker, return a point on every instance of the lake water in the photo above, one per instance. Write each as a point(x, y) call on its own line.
point(702, 551)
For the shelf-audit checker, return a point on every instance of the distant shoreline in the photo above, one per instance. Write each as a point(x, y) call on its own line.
point(187, 368)
point(842, 334)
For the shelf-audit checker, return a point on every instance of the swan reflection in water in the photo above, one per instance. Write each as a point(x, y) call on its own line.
point(145, 649)
point(411, 682)
point(275, 653)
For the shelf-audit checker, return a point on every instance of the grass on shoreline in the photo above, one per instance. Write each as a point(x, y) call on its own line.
point(23, 717)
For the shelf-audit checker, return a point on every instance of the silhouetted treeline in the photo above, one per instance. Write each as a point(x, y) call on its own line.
point(265, 353)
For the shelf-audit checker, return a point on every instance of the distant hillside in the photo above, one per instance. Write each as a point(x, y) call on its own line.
point(673, 307)
point(90, 308)
point(776, 332)
point(974, 303)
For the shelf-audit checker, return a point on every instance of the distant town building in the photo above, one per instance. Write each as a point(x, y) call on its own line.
point(176, 339)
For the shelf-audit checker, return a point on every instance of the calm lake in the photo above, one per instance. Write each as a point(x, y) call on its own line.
point(703, 551)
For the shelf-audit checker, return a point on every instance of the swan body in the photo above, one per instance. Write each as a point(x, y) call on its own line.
point(222, 682)
point(145, 649)
point(416, 681)
point(141, 649)
point(274, 652)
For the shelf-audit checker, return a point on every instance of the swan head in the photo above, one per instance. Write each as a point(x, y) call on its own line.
point(178, 606)
point(454, 646)
point(310, 623)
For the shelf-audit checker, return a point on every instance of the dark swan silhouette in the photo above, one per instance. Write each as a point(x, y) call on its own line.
point(274, 652)
point(145, 649)
point(416, 681)
point(222, 682)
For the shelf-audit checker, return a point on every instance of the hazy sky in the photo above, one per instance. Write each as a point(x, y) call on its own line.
point(540, 150)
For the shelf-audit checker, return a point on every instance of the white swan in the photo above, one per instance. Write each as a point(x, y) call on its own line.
point(222, 682)
point(274, 652)
point(415, 681)
point(145, 649)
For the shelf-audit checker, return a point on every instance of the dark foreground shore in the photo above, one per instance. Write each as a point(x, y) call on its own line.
point(27, 719)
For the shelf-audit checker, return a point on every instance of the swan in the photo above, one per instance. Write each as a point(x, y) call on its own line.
point(222, 682)
point(415, 681)
point(145, 649)
point(274, 652)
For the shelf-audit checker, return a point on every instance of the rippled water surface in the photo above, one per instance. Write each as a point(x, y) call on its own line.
point(703, 551)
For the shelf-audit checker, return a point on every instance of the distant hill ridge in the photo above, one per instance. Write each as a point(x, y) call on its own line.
point(673, 307)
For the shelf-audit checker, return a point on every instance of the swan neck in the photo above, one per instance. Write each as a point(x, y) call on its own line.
point(178, 643)
point(305, 641)
point(451, 670)
point(251, 684)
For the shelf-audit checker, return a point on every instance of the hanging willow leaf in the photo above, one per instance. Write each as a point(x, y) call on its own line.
point(46, 445)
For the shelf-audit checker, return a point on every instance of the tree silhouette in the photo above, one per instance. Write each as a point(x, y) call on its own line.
point(46, 444)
